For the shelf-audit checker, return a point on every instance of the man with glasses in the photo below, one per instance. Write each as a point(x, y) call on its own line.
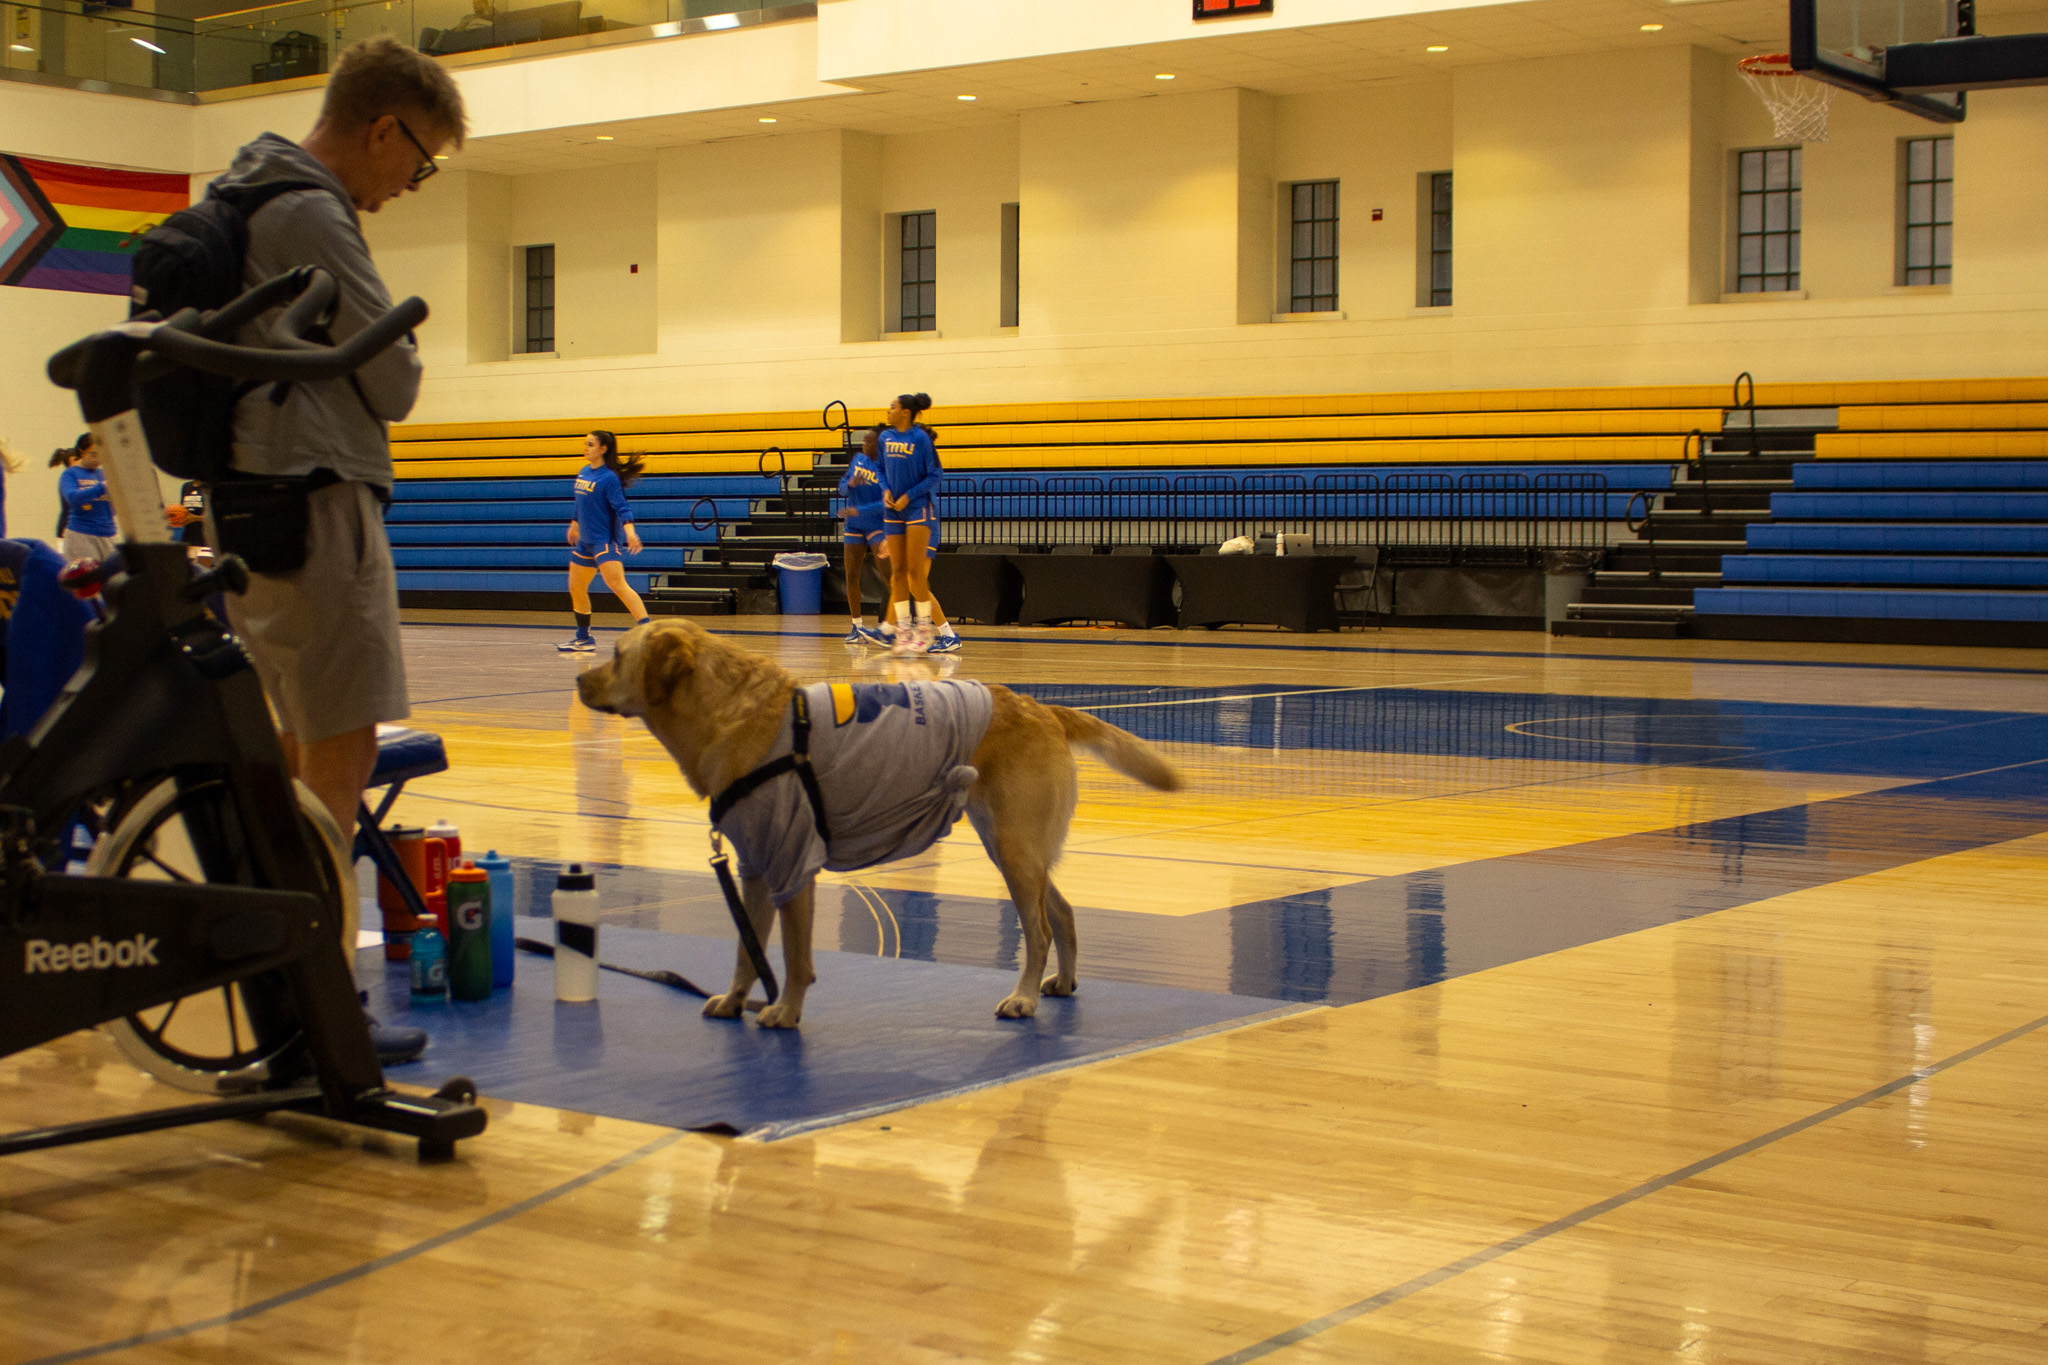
point(325, 637)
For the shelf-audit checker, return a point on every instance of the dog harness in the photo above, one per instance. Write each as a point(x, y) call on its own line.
point(881, 772)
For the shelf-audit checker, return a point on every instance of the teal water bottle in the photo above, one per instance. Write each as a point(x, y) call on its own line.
point(429, 965)
point(502, 954)
point(469, 933)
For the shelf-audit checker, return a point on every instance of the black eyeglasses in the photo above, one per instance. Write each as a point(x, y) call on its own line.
point(427, 166)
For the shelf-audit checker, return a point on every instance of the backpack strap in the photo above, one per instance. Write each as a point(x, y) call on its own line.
point(248, 200)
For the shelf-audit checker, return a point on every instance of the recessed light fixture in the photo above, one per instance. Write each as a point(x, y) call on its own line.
point(22, 47)
point(716, 21)
point(144, 42)
point(768, 120)
point(440, 156)
point(1437, 48)
point(1163, 76)
point(1653, 28)
point(604, 137)
point(966, 98)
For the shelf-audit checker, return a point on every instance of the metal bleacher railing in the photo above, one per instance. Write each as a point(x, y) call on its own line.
point(1429, 514)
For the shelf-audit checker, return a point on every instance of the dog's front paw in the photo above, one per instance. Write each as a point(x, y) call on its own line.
point(781, 1014)
point(1054, 985)
point(1018, 1006)
point(727, 1006)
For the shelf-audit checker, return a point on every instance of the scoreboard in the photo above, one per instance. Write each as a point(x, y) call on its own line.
point(1216, 9)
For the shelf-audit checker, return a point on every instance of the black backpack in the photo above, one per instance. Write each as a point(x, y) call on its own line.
point(193, 259)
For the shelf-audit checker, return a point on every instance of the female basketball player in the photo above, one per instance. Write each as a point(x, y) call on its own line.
point(910, 479)
point(861, 488)
point(602, 521)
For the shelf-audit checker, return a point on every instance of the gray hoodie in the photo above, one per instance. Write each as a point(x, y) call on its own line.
point(325, 424)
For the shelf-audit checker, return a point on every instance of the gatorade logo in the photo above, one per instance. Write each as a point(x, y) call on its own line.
point(94, 955)
point(470, 915)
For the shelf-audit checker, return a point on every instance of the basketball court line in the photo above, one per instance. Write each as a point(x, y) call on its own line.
point(366, 1268)
point(1537, 654)
point(1429, 1280)
point(1533, 654)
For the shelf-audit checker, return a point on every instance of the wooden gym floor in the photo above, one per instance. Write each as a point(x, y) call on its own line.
point(1668, 1001)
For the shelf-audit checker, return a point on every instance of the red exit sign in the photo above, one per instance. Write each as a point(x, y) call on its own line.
point(1216, 9)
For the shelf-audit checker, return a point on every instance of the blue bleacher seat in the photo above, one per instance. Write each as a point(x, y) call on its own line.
point(1915, 570)
point(2012, 506)
point(1908, 474)
point(1881, 539)
point(1904, 605)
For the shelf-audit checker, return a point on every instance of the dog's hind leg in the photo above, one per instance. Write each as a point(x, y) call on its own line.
point(1028, 886)
point(1065, 942)
point(797, 973)
point(761, 914)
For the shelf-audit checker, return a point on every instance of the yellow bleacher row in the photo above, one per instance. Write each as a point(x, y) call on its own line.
point(962, 437)
point(1525, 450)
point(1980, 418)
point(1933, 445)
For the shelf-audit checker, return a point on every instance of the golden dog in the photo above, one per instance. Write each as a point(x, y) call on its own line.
point(717, 709)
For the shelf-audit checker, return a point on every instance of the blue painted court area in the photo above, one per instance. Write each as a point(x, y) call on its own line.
point(1651, 731)
point(1972, 778)
point(878, 1034)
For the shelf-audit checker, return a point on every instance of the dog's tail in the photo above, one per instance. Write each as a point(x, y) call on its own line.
point(1126, 753)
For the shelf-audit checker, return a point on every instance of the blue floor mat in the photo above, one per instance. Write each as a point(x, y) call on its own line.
point(878, 1034)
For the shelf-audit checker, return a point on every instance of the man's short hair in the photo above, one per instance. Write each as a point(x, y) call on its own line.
point(382, 76)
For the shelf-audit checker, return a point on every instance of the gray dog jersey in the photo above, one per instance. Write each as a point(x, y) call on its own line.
point(893, 762)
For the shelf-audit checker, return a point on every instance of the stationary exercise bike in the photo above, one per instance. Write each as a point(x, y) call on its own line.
point(212, 930)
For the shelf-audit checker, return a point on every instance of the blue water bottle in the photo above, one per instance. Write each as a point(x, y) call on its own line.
point(429, 965)
point(502, 954)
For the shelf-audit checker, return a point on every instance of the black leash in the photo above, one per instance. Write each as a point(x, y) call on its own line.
point(798, 761)
point(673, 980)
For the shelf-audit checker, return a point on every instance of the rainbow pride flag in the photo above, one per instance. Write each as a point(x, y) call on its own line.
point(75, 227)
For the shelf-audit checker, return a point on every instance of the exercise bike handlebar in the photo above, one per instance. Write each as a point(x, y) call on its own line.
point(191, 340)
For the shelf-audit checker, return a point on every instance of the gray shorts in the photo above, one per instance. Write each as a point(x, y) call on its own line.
point(325, 639)
point(79, 545)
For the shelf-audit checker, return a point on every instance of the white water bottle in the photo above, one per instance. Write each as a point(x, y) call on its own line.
point(575, 908)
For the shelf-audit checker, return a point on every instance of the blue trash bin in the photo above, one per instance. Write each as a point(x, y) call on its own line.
point(802, 583)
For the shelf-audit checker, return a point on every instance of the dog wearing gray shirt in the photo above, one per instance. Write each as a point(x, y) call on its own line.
point(897, 765)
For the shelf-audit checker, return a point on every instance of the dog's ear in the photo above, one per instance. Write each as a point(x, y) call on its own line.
point(666, 659)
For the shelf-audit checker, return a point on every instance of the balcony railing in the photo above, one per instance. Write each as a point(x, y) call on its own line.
point(139, 47)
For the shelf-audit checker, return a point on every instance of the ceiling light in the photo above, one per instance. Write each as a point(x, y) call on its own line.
point(604, 137)
point(1438, 48)
point(1163, 76)
point(968, 98)
point(768, 120)
point(1653, 28)
point(440, 156)
point(144, 42)
point(23, 47)
point(716, 21)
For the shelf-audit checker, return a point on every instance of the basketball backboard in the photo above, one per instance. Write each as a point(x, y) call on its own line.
point(1918, 55)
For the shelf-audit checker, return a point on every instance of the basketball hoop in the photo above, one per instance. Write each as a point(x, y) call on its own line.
point(1799, 107)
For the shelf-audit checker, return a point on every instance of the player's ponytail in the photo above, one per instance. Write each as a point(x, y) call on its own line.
point(629, 471)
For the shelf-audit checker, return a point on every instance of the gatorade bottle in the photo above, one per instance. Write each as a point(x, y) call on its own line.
point(576, 910)
point(502, 954)
point(469, 933)
point(429, 966)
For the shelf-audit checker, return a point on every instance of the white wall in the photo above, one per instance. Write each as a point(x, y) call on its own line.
point(1592, 202)
point(37, 417)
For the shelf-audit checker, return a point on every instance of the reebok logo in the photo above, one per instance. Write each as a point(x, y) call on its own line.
point(93, 955)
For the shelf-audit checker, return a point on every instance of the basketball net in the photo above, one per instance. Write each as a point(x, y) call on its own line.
point(1799, 107)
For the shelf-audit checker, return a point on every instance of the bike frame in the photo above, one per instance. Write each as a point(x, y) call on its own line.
point(166, 692)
